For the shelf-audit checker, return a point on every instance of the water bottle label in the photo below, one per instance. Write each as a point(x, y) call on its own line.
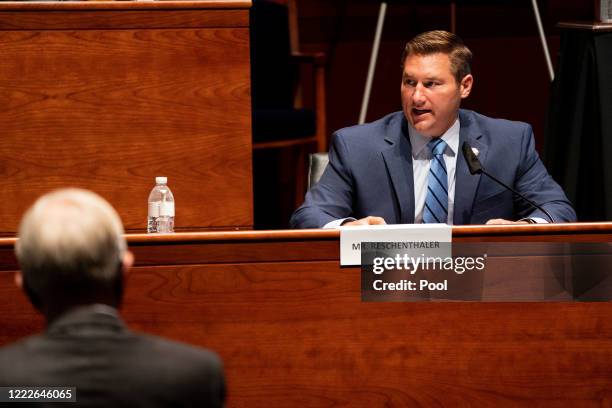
point(154, 209)
point(167, 209)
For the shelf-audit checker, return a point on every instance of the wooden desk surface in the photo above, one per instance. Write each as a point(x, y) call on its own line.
point(292, 330)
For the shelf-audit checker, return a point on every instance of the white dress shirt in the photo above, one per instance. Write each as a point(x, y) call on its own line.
point(421, 162)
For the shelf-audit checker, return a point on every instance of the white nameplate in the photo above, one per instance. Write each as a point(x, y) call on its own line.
point(352, 237)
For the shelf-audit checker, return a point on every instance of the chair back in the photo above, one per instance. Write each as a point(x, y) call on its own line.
point(317, 163)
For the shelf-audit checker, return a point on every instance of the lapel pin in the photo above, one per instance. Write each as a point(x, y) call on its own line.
point(475, 150)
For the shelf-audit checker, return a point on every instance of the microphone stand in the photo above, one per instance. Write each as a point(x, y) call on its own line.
point(475, 167)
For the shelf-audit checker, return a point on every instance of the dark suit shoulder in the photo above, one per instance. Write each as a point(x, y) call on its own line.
point(20, 347)
point(177, 353)
point(17, 360)
point(143, 350)
point(117, 369)
point(185, 370)
point(488, 124)
point(373, 133)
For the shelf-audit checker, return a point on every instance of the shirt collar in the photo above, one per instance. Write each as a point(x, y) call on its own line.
point(418, 141)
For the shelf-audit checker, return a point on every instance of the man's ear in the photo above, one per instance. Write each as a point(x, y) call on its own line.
point(465, 87)
point(33, 297)
point(127, 262)
point(18, 279)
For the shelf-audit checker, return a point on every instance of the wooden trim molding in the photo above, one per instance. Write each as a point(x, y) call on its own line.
point(124, 5)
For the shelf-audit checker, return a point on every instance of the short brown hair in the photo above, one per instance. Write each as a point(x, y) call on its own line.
point(432, 42)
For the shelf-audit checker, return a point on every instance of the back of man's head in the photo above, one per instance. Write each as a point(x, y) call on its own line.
point(70, 249)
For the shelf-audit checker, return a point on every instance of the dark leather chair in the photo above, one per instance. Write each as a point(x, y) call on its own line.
point(317, 164)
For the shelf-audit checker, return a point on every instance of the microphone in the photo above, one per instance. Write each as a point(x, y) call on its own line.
point(475, 167)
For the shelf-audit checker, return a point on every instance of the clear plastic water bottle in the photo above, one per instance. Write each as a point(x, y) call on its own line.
point(161, 208)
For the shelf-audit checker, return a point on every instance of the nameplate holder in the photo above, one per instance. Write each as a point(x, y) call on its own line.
point(419, 237)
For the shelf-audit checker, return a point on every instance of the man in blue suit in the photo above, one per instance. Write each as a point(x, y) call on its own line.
point(408, 168)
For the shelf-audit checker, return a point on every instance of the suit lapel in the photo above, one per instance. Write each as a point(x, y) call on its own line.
point(465, 183)
point(398, 159)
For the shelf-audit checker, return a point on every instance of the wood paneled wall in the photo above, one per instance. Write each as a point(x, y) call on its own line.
point(106, 96)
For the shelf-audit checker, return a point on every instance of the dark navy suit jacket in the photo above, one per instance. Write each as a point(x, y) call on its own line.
point(370, 173)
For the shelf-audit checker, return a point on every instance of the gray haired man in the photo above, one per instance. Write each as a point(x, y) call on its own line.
point(73, 258)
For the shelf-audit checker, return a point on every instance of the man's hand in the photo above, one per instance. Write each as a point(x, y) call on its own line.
point(366, 221)
point(499, 221)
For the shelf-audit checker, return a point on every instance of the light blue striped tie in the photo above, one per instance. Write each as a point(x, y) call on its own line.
point(436, 202)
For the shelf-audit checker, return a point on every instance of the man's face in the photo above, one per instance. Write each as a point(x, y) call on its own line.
point(430, 94)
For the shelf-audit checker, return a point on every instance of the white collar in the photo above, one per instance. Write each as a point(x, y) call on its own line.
point(418, 141)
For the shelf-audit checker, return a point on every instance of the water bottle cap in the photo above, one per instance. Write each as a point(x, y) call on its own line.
point(161, 180)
